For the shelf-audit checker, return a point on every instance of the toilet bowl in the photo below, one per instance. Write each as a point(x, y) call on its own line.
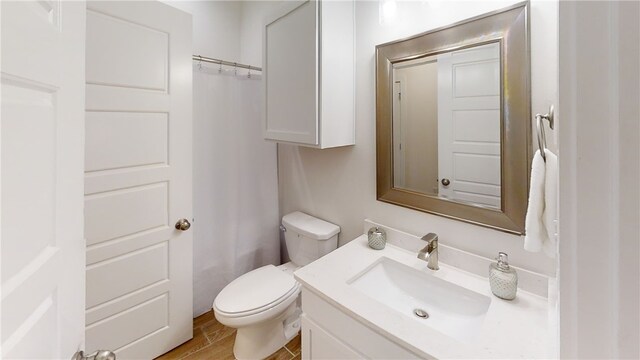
point(257, 304)
point(264, 304)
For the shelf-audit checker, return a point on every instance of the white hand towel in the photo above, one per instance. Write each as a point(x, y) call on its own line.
point(550, 218)
point(542, 211)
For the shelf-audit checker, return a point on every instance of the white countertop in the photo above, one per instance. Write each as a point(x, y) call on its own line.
point(511, 329)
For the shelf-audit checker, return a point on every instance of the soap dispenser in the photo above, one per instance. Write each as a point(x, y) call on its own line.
point(502, 278)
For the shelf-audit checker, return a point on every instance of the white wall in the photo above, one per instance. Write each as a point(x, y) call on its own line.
point(339, 184)
point(599, 270)
point(253, 13)
point(216, 27)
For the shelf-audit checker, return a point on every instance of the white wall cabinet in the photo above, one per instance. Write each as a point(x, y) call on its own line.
point(308, 74)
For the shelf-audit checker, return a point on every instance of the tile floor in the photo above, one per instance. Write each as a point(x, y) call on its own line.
point(212, 340)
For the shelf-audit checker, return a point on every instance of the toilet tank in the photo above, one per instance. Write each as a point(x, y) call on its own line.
point(308, 238)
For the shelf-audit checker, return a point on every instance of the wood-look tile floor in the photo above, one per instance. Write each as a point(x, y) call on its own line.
point(212, 340)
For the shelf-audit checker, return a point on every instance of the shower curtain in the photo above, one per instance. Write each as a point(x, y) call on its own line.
point(236, 224)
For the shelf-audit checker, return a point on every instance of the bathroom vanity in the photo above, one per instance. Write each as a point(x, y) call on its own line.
point(363, 303)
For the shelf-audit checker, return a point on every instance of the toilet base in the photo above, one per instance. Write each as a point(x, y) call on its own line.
point(261, 340)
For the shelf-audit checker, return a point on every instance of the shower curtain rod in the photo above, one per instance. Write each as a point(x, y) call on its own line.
point(226, 63)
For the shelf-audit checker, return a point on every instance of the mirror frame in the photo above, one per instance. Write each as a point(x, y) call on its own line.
point(509, 27)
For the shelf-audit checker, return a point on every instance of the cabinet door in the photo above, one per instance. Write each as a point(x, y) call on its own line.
point(291, 74)
point(319, 344)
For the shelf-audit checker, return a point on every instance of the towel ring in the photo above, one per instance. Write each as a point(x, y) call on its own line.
point(542, 140)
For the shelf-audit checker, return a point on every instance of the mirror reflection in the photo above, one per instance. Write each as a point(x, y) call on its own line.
point(447, 125)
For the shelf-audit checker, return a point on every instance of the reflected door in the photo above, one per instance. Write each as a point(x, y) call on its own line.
point(469, 125)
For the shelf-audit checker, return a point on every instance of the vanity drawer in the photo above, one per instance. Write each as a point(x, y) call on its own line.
point(340, 326)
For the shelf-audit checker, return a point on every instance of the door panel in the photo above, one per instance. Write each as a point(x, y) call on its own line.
point(138, 59)
point(477, 126)
point(125, 139)
point(149, 266)
point(117, 331)
point(476, 168)
point(42, 127)
point(138, 178)
point(131, 210)
point(34, 111)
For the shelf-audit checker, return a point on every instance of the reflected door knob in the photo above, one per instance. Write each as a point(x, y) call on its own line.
point(445, 182)
point(183, 225)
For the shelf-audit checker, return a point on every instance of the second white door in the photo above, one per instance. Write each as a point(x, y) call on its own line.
point(138, 178)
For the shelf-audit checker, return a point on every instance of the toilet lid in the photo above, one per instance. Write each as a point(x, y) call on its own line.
point(255, 289)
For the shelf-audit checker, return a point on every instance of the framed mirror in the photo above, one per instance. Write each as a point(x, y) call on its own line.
point(453, 120)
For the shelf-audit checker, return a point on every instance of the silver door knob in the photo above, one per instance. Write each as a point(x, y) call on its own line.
point(183, 225)
point(445, 182)
point(98, 355)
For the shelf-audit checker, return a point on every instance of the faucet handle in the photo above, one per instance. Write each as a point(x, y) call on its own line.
point(431, 238)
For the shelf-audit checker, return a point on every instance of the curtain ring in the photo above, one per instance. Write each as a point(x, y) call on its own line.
point(235, 69)
point(220, 68)
point(249, 73)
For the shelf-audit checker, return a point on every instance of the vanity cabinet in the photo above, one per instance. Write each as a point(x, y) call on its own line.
point(318, 344)
point(330, 333)
point(308, 74)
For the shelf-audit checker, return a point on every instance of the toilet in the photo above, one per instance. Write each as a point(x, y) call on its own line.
point(264, 303)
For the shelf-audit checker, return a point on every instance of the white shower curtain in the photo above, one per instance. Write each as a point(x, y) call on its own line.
point(235, 183)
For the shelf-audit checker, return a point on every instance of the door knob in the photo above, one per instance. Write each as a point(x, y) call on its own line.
point(98, 355)
point(183, 225)
point(445, 182)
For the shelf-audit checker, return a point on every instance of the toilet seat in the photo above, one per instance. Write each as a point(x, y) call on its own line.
point(256, 291)
point(292, 294)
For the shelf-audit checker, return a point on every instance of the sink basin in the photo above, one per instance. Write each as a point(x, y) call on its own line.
point(439, 304)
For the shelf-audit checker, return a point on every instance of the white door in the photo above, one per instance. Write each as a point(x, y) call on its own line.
point(42, 126)
point(469, 125)
point(138, 178)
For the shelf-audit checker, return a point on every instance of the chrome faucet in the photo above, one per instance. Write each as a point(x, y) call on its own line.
point(430, 252)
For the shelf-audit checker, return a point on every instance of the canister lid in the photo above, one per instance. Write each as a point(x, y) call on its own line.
point(503, 261)
point(377, 231)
